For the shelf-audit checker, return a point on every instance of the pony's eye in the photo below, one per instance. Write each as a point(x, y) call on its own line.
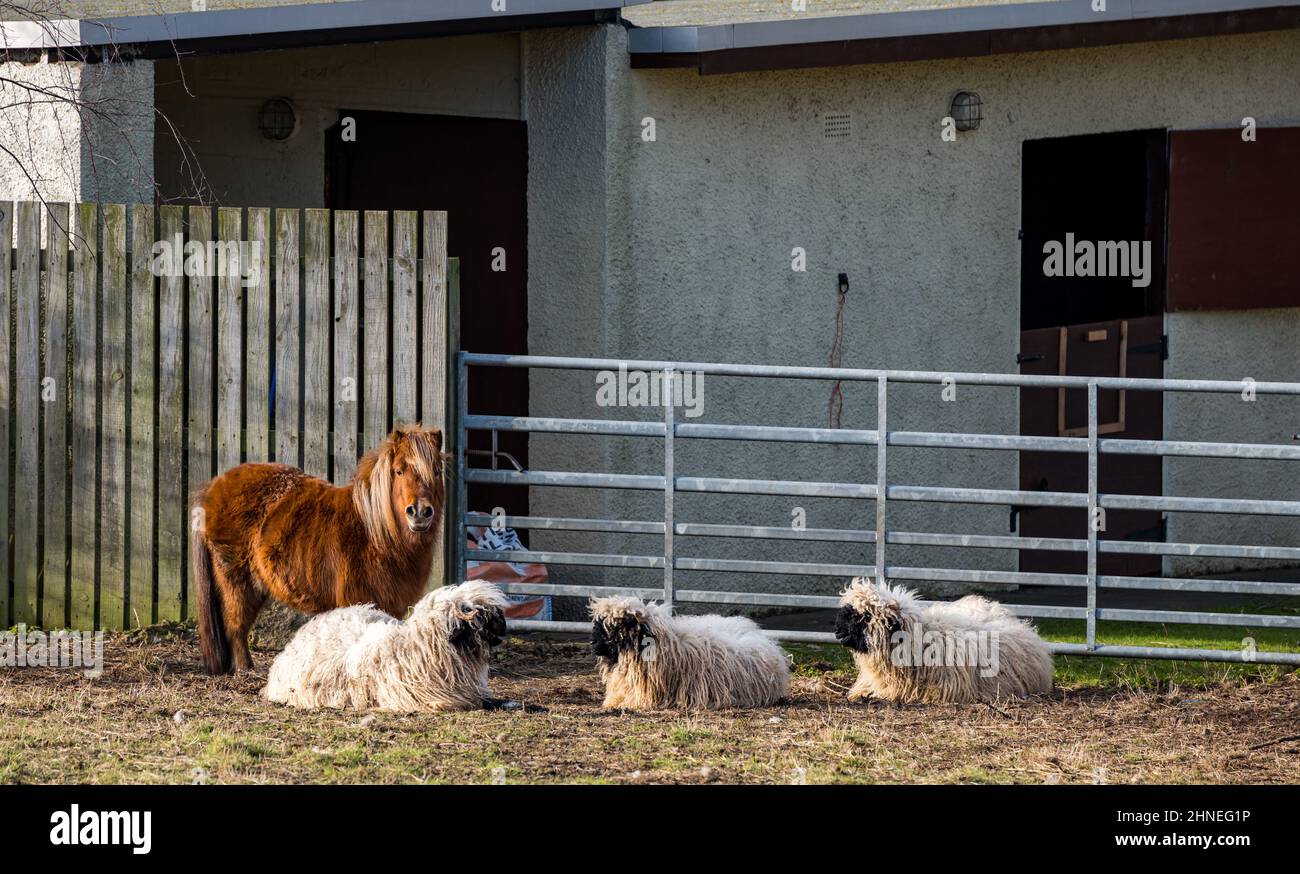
point(399, 470)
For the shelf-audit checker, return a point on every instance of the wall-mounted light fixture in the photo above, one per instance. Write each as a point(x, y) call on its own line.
point(277, 119)
point(966, 110)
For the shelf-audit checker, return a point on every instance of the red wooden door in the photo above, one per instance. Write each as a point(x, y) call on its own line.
point(1131, 347)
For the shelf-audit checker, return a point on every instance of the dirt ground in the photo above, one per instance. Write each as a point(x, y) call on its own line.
point(154, 717)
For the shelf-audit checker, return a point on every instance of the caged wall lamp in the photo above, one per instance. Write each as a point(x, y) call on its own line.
point(966, 110)
point(277, 119)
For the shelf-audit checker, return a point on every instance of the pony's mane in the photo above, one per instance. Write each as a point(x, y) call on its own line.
point(372, 481)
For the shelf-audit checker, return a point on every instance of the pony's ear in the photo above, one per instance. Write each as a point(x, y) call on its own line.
point(435, 436)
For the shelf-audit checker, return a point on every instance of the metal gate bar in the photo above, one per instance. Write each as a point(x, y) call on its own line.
point(882, 492)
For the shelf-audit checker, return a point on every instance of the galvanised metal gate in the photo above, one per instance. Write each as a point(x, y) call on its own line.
point(883, 493)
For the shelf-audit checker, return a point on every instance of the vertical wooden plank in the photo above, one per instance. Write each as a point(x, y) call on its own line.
point(114, 400)
point(55, 584)
point(27, 412)
point(141, 485)
point(288, 299)
point(433, 345)
point(405, 377)
point(346, 378)
point(230, 336)
point(173, 512)
point(199, 388)
point(258, 329)
point(374, 423)
point(453, 545)
point(6, 401)
point(85, 415)
point(434, 376)
point(316, 343)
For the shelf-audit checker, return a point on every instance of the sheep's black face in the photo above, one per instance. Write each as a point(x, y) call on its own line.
point(487, 627)
point(601, 644)
point(851, 630)
point(608, 639)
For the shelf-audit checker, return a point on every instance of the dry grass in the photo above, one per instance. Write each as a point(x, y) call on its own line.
point(59, 726)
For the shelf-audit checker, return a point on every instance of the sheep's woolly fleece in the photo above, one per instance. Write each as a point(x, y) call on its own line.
point(688, 661)
point(1014, 660)
point(361, 657)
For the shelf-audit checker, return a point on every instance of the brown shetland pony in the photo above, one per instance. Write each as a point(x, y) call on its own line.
point(270, 530)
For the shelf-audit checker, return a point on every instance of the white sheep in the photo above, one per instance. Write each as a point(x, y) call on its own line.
point(361, 657)
point(650, 659)
point(968, 650)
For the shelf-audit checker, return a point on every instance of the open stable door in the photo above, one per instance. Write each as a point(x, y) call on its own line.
point(477, 170)
point(1123, 347)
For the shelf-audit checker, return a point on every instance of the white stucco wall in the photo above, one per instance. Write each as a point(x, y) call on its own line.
point(74, 131)
point(702, 221)
point(1263, 345)
point(214, 101)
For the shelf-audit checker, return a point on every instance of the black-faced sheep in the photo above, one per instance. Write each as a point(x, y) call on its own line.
point(968, 650)
point(361, 657)
point(650, 659)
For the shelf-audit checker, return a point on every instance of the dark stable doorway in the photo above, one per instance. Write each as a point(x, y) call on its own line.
point(477, 170)
point(1104, 187)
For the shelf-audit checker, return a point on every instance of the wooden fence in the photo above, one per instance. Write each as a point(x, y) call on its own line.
point(146, 350)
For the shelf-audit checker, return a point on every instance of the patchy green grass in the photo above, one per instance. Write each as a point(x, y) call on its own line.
point(1077, 671)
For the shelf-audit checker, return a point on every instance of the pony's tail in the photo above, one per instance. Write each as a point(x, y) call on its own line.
point(212, 627)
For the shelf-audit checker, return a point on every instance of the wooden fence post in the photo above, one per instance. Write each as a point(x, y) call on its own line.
point(54, 610)
point(374, 421)
point(173, 512)
point(199, 390)
point(85, 416)
point(259, 331)
point(6, 401)
point(316, 343)
point(142, 478)
point(437, 363)
point(113, 399)
point(288, 346)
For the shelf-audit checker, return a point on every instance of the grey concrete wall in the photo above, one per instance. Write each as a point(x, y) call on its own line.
point(214, 103)
point(702, 221)
point(564, 76)
point(77, 132)
point(1257, 344)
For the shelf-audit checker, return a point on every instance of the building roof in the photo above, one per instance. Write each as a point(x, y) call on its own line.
point(735, 35)
point(711, 13)
point(710, 35)
point(243, 24)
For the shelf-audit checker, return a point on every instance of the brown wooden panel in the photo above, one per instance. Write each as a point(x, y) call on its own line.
point(1234, 218)
point(1091, 349)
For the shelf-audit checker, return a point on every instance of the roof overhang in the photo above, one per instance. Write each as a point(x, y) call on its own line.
point(963, 31)
point(301, 24)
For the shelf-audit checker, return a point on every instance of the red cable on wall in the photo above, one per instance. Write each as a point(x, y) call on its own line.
point(835, 408)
